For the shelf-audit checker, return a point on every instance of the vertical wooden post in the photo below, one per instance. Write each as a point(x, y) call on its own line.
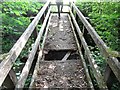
point(76, 17)
point(35, 32)
point(72, 9)
point(107, 76)
point(13, 76)
point(83, 29)
point(10, 80)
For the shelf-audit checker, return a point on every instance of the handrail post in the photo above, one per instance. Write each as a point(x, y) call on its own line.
point(107, 75)
point(35, 32)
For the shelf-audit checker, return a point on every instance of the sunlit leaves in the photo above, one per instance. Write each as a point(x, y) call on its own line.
point(104, 17)
point(15, 20)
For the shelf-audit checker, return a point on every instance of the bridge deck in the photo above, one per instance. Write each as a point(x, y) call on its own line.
point(60, 36)
point(61, 66)
point(58, 74)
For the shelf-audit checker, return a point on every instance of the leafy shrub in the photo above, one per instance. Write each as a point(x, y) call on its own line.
point(15, 19)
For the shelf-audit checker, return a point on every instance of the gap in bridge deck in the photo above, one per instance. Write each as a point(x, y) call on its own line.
point(59, 55)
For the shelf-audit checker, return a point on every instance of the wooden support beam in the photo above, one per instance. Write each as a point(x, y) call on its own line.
point(39, 56)
point(81, 57)
point(10, 80)
point(25, 71)
point(6, 65)
point(107, 73)
point(97, 74)
point(113, 63)
point(66, 56)
point(108, 76)
point(35, 32)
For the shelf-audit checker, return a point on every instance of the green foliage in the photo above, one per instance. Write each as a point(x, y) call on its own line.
point(104, 17)
point(99, 59)
point(15, 20)
point(20, 8)
point(27, 83)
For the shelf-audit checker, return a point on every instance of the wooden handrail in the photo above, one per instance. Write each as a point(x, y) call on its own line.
point(112, 61)
point(81, 56)
point(39, 55)
point(97, 74)
point(26, 69)
point(6, 65)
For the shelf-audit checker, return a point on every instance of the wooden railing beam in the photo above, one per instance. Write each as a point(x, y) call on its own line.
point(81, 57)
point(113, 63)
point(39, 57)
point(6, 65)
point(26, 69)
point(97, 74)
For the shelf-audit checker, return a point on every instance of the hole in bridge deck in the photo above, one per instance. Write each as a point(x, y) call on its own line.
point(59, 55)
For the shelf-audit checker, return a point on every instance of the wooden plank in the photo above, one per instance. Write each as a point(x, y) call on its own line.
point(94, 66)
point(112, 61)
point(66, 56)
point(6, 65)
point(56, 4)
point(63, 69)
point(25, 71)
point(81, 57)
point(60, 36)
point(39, 56)
point(35, 32)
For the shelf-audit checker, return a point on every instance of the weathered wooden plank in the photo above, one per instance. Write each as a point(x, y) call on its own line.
point(63, 68)
point(66, 56)
point(60, 36)
point(39, 56)
point(82, 58)
point(6, 65)
point(25, 71)
point(94, 66)
point(56, 4)
point(112, 61)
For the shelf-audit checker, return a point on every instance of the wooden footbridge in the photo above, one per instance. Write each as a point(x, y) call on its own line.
point(64, 59)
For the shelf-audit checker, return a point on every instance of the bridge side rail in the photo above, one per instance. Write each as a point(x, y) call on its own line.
point(26, 69)
point(7, 64)
point(112, 62)
point(90, 84)
point(93, 65)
